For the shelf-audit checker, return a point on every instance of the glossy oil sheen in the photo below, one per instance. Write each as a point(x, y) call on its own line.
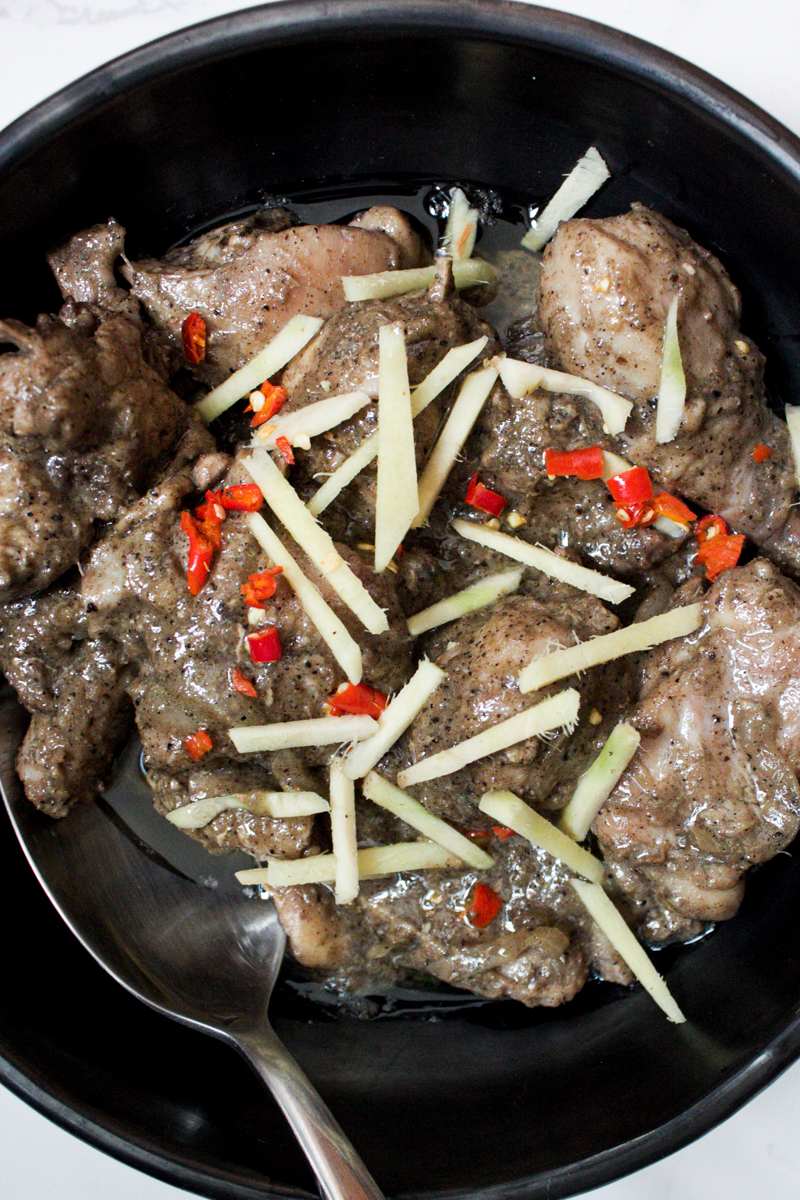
point(488, 1100)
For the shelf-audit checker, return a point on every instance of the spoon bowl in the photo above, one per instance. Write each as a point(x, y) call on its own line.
point(200, 950)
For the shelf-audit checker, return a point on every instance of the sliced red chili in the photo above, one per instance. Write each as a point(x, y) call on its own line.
point(710, 527)
point(586, 463)
point(631, 487)
point(241, 497)
point(211, 507)
point(286, 451)
point(201, 553)
point(484, 499)
point(260, 587)
point(762, 452)
point(211, 514)
point(274, 398)
point(197, 744)
point(484, 906)
point(501, 832)
point(631, 516)
point(720, 553)
point(193, 338)
point(477, 835)
point(670, 506)
point(240, 683)
point(265, 646)
point(358, 699)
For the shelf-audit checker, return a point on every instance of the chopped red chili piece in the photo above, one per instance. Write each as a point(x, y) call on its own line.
point(720, 553)
point(631, 487)
point(193, 338)
point(260, 587)
point(286, 450)
point(241, 497)
point(197, 744)
point(265, 646)
point(211, 515)
point(201, 553)
point(709, 527)
point(639, 515)
point(670, 506)
point(483, 499)
point(240, 683)
point(502, 832)
point(484, 906)
point(358, 699)
point(477, 835)
point(274, 397)
point(212, 507)
point(586, 463)
point(762, 452)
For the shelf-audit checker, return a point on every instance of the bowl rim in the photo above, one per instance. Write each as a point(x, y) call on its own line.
point(507, 21)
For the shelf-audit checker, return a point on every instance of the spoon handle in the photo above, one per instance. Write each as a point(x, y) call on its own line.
point(340, 1172)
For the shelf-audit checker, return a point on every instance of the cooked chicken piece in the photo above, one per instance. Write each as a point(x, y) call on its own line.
point(73, 680)
point(713, 788)
point(84, 422)
point(539, 949)
point(67, 753)
point(246, 279)
point(507, 450)
point(75, 690)
point(186, 646)
point(344, 358)
point(235, 829)
point(483, 655)
point(605, 290)
point(185, 650)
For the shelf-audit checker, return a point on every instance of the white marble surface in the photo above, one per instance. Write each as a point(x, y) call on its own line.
point(45, 44)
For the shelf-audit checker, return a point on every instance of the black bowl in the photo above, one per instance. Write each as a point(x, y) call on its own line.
point(367, 97)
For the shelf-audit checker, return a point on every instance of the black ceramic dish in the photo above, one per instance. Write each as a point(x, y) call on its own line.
point(492, 1101)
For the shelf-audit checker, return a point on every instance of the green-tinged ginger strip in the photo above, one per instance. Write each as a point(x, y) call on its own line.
point(395, 800)
point(312, 420)
point(278, 805)
point(296, 333)
point(508, 809)
point(343, 834)
point(396, 498)
point(589, 173)
point(545, 561)
point(286, 735)
point(473, 395)
point(458, 239)
point(467, 272)
point(454, 362)
point(672, 388)
point(394, 720)
point(311, 537)
point(477, 595)
point(556, 712)
point(678, 622)
point(372, 864)
point(598, 781)
point(611, 922)
point(342, 645)
point(520, 378)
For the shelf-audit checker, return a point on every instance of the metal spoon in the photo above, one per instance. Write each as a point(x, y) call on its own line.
point(207, 956)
